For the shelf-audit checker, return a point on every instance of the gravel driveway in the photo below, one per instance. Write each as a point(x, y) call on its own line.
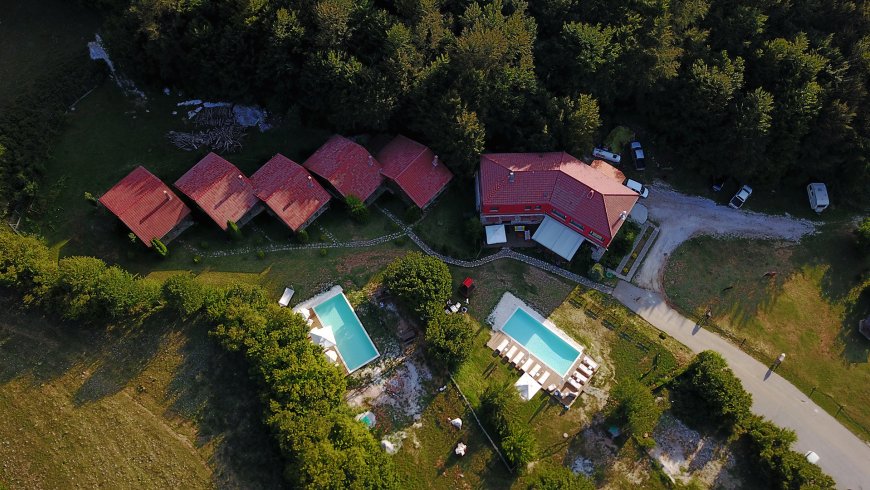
point(681, 217)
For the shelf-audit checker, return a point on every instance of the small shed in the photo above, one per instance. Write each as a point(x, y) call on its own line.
point(467, 287)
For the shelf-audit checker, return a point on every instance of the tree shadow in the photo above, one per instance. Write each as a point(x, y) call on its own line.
point(856, 347)
point(834, 246)
point(212, 388)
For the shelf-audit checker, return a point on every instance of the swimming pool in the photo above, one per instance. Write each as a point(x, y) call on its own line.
point(541, 342)
point(351, 339)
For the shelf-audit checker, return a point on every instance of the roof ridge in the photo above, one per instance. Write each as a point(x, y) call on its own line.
point(423, 150)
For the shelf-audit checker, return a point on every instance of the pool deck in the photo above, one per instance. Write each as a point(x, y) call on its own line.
point(500, 315)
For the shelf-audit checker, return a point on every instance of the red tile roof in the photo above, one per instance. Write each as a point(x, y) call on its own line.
point(145, 204)
point(347, 166)
point(588, 196)
point(219, 188)
point(289, 190)
point(412, 166)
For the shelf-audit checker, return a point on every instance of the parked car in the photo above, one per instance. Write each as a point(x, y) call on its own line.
point(637, 155)
point(606, 155)
point(637, 187)
point(719, 183)
point(818, 194)
point(740, 198)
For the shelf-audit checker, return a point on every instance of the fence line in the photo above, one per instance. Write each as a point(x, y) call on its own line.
point(494, 446)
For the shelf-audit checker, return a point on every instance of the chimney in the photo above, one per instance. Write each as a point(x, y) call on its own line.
point(591, 194)
point(435, 161)
point(511, 177)
point(371, 161)
point(240, 177)
point(623, 215)
point(168, 196)
point(310, 184)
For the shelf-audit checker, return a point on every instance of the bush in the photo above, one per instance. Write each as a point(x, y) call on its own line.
point(26, 264)
point(637, 406)
point(519, 446)
point(448, 338)
point(419, 281)
point(498, 406)
point(401, 241)
point(91, 199)
point(862, 232)
point(132, 237)
point(776, 464)
point(183, 294)
point(261, 254)
point(707, 395)
point(322, 252)
point(159, 248)
point(88, 290)
point(197, 259)
point(302, 237)
point(413, 214)
point(204, 245)
point(358, 210)
point(596, 272)
point(233, 230)
point(549, 476)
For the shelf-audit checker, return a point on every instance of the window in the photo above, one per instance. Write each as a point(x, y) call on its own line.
point(596, 236)
point(577, 225)
point(493, 210)
point(537, 208)
point(559, 215)
point(528, 208)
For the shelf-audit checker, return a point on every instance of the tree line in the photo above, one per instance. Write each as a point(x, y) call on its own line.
point(303, 394)
point(772, 92)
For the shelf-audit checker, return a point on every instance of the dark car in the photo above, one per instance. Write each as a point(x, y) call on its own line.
point(637, 155)
point(719, 183)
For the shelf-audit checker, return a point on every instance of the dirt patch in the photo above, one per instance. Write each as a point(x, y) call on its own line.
point(394, 395)
point(685, 455)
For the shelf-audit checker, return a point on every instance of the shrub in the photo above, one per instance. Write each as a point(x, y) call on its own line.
point(183, 294)
point(358, 210)
point(862, 232)
point(204, 245)
point(90, 291)
point(448, 338)
point(159, 248)
point(26, 264)
point(91, 199)
point(197, 259)
point(261, 254)
point(549, 476)
point(413, 214)
point(596, 272)
point(302, 237)
point(637, 406)
point(419, 281)
point(519, 446)
point(776, 464)
point(498, 406)
point(132, 237)
point(400, 241)
point(233, 230)
point(708, 395)
point(322, 252)
point(322, 237)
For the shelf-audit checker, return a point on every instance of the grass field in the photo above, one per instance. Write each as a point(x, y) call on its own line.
point(29, 49)
point(808, 310)
point(158, 407)
point(443, 227)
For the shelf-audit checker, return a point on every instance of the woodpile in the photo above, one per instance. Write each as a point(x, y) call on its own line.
point(223, 138)
point(215, 116)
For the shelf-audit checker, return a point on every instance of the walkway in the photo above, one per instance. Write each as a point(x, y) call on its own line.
point(843, 455)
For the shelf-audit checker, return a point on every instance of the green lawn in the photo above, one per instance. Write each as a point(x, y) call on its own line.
point(443, 227)
point(160, 406)
point(30, 50)
point(808, 310)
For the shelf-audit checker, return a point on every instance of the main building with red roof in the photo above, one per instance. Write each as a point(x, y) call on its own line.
point(147, 206)
point(221, 190)
point(290, 192)
point(571, 200)
point(414, 169)
point(348, 168)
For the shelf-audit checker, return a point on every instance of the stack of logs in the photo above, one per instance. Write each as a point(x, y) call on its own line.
point(221, 131)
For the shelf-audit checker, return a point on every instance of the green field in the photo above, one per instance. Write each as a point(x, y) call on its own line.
point(161, 406)
point(809, 310)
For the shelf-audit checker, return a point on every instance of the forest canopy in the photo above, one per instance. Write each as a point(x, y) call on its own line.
point(771, 92)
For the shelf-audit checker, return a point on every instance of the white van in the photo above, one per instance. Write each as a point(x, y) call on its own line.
point(606, 155)
point(637, 187)
point(818, 195)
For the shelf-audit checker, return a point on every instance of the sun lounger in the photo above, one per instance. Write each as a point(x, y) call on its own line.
point(544, 377)
point(511, 352)
point(551, 388)
point(527, 365)
point(579, 377)
point(589, 362)
point(516, 360)
point(577, 386)
point(534, 371)
point(585, 370)
point(501, 347)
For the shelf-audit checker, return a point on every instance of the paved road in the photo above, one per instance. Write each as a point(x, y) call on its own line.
point(843, 456)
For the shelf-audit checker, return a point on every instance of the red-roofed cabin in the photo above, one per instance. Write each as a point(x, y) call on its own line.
point(290, 192)
point(414, 169)
point(221, 190)
point(348, 168)
point(148, 207)
point(571, 200)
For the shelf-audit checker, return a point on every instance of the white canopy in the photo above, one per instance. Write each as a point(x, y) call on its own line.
point(558, 238)
point(305, 312)
point(527, 386)
point(332, 356)
point(495, 234)
point(285, 298)
point(323, 336)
